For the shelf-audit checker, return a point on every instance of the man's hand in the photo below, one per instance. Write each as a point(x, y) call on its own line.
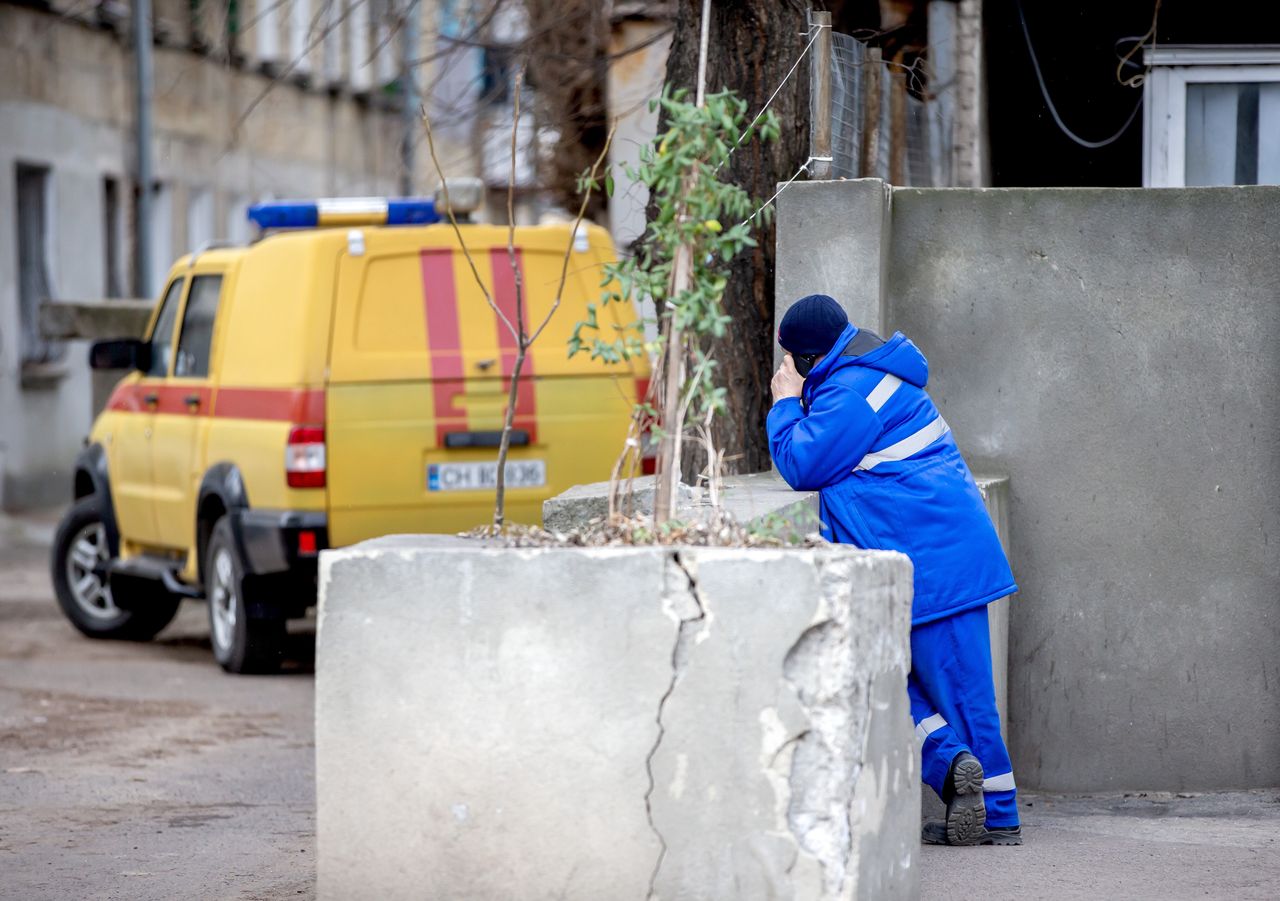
point(786, 381)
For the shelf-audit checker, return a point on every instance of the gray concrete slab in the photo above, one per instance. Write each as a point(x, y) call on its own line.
point(613, 722)
point(815, 255)
point(1153, 846)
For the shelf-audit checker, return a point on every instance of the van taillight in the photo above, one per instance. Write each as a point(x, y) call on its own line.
point(304, 457)
point(648, 446)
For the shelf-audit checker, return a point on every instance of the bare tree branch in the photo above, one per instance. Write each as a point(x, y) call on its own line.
point(573, 233)
point(522, 343)
point(453, 220)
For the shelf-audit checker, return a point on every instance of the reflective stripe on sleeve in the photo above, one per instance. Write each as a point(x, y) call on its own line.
point(907, 447)
point(929, 725)
point(881, 393)
point(1001, 783)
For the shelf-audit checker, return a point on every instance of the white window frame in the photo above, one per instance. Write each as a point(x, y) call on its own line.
point(1164, 99)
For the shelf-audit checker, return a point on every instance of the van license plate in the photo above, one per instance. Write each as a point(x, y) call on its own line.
point(481, 476)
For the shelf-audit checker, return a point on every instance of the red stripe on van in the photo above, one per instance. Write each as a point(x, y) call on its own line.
point(299, 405)
point(444, 340)
point(151, 397)
point(504, 295)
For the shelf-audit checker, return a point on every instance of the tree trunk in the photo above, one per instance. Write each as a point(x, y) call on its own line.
point(752, 45)
point(565, 54)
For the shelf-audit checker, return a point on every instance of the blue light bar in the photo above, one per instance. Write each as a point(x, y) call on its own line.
point(412, 211)
point(284, 215)
point(344, 211)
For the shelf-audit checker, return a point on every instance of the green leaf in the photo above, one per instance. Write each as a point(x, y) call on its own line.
point(608, 184)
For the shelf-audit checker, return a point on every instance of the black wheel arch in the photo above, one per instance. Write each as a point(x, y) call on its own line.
point(221, 493)
point(92, 478)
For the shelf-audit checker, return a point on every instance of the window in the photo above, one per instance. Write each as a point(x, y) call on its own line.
point(197, 327)
point(387, 40)
point(332, 24)
point(1212, 116)
point(200, 225)
point(162, 335)
point(237, 220)
point(113, 239)
point(496, 74)
point(359, 28)
point(299, 25)
point(266, 33)
point(34, 282)
point(161, 235)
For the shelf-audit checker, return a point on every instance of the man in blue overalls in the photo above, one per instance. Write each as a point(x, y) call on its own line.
point(851, 419)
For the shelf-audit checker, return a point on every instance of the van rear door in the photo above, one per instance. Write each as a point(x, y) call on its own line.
point(419, 373)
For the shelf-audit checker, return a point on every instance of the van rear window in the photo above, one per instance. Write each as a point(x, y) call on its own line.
point(425, 310)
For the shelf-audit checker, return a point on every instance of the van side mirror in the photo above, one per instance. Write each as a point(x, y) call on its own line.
point(120, 353)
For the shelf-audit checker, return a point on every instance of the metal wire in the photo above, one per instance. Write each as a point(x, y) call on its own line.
point(817, 30)
point(1053, 110)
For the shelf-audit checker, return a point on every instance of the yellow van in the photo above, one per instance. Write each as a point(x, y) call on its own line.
point(339, 379)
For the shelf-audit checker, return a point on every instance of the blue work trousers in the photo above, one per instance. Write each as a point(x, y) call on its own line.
point(953, 704)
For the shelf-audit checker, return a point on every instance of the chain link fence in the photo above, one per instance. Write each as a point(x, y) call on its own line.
point(884, 122)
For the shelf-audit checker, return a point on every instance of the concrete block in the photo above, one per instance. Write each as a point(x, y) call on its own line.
point(815, 255)
point(94, 318)
point(583, 503)
point(759, 498)
point(764, 499)
point(614, 723)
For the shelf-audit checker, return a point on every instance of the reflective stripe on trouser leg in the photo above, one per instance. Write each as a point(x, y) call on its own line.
point(951, 674)
point(1001, 783)
point(939, 743)
point(1000, 794)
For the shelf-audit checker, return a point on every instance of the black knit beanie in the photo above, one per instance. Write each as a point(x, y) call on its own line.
point(812, 325)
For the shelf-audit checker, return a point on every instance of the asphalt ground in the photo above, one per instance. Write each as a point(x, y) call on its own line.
point(1145, 845)
point(141, 770)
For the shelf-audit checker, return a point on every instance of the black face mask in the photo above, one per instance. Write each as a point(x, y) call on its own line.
point(805, 363)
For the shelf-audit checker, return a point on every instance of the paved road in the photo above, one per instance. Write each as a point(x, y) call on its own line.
point(142, 771)
point(1138, 846)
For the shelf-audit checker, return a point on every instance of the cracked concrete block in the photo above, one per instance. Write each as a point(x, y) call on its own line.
point(614, 723)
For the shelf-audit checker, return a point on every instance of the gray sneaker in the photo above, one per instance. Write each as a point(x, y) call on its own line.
point(1003, 835)
point(966, 808)
point(935, 833)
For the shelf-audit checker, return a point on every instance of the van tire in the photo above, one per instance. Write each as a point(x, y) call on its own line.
point(240, 644)
point(80, 552)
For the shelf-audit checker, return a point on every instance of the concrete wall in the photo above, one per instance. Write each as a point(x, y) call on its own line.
point(814, 227)
point(682, 723)
point(1114, 352)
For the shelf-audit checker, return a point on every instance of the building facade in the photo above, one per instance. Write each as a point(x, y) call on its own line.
point(250, 101)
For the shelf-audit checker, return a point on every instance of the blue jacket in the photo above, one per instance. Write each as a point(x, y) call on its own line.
point(868, 437)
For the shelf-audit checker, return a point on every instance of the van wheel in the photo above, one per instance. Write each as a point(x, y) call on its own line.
point(87, 597)
point(240, 644)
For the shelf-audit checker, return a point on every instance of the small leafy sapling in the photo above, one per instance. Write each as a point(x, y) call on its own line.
point(681, 265)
